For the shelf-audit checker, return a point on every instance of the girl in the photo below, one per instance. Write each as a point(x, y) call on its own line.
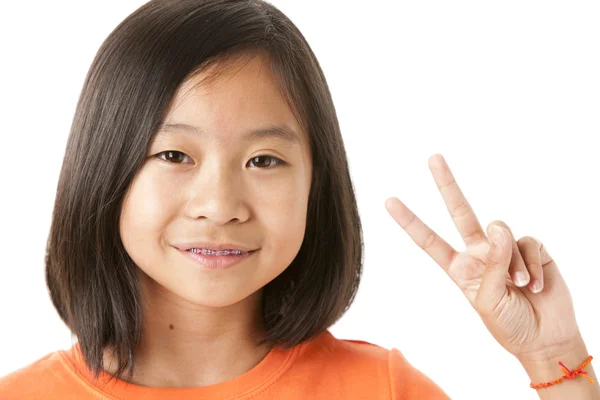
point(205, 233)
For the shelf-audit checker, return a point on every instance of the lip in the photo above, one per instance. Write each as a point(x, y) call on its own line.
point(216, 262)
point(212, 246)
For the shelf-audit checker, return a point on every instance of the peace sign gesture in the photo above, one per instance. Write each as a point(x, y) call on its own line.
point(515, 286)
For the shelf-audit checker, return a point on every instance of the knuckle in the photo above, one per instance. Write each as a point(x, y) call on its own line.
point(474, 237)
point(460, 210)
point(526, 239)
point(412, 220)
point(494, 259)
point(529, 241)
point(534, 266)
point(429, 240)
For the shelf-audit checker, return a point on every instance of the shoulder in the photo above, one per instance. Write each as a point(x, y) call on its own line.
point(365, 363)
point(352, 351)
point(35, 380)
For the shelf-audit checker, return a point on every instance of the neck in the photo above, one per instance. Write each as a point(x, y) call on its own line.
point(185, 345)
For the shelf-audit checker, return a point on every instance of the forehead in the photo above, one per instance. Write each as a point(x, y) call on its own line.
point(242, 100)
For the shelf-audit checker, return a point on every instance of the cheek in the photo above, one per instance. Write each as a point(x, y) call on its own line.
point(144, 215)
point(283, 217)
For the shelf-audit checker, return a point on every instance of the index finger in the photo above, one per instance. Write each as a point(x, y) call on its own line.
point(436, 247)
point(459, 208)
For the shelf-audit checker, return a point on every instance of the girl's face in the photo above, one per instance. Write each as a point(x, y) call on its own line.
point(216, 184)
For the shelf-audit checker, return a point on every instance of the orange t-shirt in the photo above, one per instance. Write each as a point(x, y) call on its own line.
point(322, 368)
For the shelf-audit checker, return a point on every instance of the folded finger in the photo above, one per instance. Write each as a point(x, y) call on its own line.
point(518, 270)
point(530, 250)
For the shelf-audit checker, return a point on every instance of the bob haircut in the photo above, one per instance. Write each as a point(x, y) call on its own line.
point(128, 89)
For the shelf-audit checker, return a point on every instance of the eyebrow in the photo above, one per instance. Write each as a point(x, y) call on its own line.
point(279, 131)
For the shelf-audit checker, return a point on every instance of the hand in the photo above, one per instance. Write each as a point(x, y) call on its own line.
point(528, 323)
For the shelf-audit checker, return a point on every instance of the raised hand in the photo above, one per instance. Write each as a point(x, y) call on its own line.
point(515, 286)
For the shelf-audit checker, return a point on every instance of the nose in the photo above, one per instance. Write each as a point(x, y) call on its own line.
point(217, 194)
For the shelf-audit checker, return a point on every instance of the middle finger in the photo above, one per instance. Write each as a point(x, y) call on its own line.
point(460, 210)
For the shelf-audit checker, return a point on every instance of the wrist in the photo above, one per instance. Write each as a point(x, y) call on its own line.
point(569, 352)
point(542, 367)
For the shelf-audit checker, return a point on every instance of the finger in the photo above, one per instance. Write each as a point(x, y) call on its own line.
point(553, 279)
point(437, 248)
point(493, 282)
point(459, 208)
point(530, 249)
point(517, 270)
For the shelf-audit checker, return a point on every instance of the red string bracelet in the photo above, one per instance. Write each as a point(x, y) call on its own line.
point(567, 375)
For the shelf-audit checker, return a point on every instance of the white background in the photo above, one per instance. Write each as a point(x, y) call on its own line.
point(508, 92)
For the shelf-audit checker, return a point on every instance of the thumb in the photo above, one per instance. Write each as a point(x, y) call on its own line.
point(493, 283)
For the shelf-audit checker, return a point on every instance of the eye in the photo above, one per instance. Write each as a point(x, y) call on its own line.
point(272, 162)
point(262, 161)
point(171, 155)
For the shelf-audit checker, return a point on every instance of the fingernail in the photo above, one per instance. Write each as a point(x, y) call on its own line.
point(521, 279)
point(497, 235)
point(536, 287)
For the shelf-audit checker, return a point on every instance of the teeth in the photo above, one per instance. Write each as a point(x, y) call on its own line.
point(216, 253)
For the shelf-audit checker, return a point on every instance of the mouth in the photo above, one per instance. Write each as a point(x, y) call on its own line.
point(212, 247)
point(220, 259)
